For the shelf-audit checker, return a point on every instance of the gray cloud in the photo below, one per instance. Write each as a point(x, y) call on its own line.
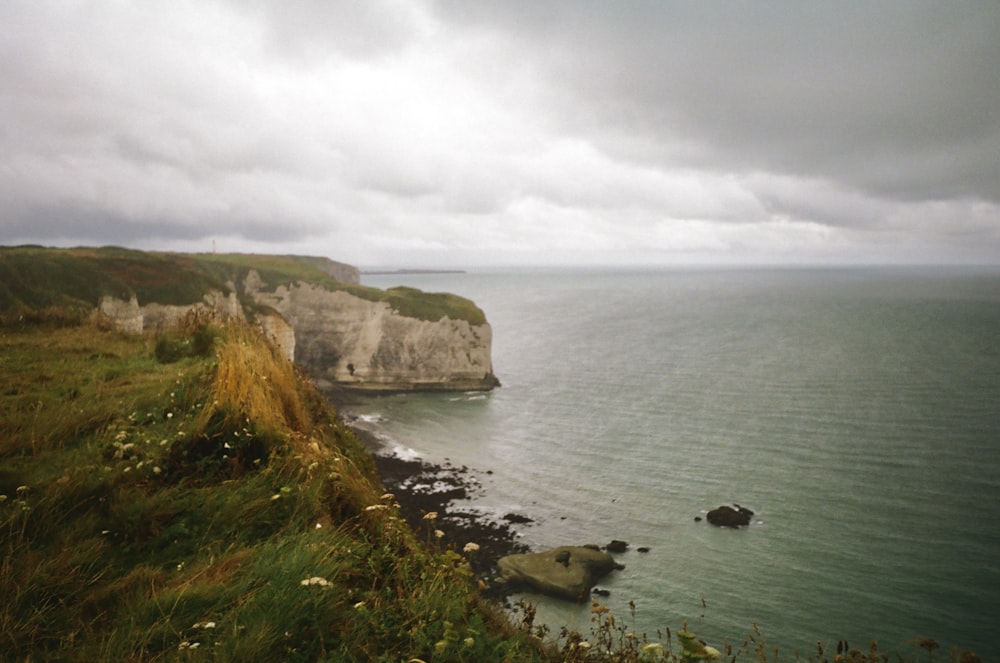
point(452, 131)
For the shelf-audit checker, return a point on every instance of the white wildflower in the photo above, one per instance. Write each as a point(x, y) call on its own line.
point(431, 516)
point(439, 534)
point(470, 547)
point(376, 507)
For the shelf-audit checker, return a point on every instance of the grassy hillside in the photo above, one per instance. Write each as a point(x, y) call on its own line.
point(210, 508)
point(35, 279)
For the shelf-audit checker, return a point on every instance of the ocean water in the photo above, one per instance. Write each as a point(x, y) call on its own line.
point(856, 411)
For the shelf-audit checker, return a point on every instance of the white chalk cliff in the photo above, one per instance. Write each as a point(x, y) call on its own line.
point(341, 340)
point(347, 341)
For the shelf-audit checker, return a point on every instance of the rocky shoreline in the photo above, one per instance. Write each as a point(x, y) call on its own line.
point(423, 488)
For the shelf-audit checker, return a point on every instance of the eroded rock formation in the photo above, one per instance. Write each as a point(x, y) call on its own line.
point(347, 341)
point(568, 572)
point(341, 339)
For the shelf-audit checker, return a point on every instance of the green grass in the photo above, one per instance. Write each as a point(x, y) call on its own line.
point(171, 511)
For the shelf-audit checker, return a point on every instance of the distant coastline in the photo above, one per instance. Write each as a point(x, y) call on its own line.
point(376, 272)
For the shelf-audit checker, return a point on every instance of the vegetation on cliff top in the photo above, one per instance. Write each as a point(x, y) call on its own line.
point(211, 507)
point(34, 278)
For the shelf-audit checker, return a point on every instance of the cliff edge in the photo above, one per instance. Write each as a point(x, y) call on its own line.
point(343, 334)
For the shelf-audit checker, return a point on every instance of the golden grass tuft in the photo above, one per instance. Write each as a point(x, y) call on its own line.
point(253, 382)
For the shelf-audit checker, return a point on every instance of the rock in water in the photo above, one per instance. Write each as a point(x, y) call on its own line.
point(617, 546)
point(730, 516)
point(568, 572)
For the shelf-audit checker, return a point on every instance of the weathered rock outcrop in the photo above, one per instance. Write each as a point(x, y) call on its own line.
point(133, 318)
point(342, 339)
point(351, 342)
point(568, 572)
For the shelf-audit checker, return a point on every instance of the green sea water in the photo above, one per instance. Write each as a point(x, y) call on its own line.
point(856, 411)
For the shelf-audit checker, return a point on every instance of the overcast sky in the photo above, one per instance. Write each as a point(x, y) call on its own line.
point(464, 133)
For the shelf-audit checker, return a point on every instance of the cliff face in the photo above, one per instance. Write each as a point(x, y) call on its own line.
point(341, 339)
point(347, 341)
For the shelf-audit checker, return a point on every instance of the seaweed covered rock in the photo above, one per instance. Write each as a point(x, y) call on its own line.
point(568, 572)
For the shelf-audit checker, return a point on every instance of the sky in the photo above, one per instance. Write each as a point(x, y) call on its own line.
point(463, 133)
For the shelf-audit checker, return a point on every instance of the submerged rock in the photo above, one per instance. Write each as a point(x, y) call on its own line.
point(568, 572)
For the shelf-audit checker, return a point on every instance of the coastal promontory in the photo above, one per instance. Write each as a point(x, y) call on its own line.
point(345, 335)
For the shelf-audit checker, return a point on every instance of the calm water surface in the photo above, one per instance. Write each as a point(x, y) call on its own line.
point(856, 411)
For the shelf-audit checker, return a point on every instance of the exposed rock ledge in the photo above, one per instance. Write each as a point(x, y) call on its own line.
point(342, 340)
point(568, 572)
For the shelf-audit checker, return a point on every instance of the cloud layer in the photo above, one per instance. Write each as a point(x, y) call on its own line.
point(450, 132)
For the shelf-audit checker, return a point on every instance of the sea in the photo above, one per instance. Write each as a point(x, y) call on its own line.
point(854, 410)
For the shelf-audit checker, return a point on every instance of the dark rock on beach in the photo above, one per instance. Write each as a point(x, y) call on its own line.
point(730, 516)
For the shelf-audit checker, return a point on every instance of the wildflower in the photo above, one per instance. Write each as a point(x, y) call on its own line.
point(156, 469)
point(3, 498)
point(431, 515)
point(360, 605)
point(388, 497)
point(584, 645)
point(470, 641)
point(376, 507)
point(21, 490)
point(712, 653)
point(315, 580)
point(470, 547)
point(276, 496)
point(438, 534)
point(319, 525)
point(652, 648)
point(170, 415)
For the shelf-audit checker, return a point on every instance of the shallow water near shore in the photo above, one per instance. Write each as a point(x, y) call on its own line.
point(854, 410)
